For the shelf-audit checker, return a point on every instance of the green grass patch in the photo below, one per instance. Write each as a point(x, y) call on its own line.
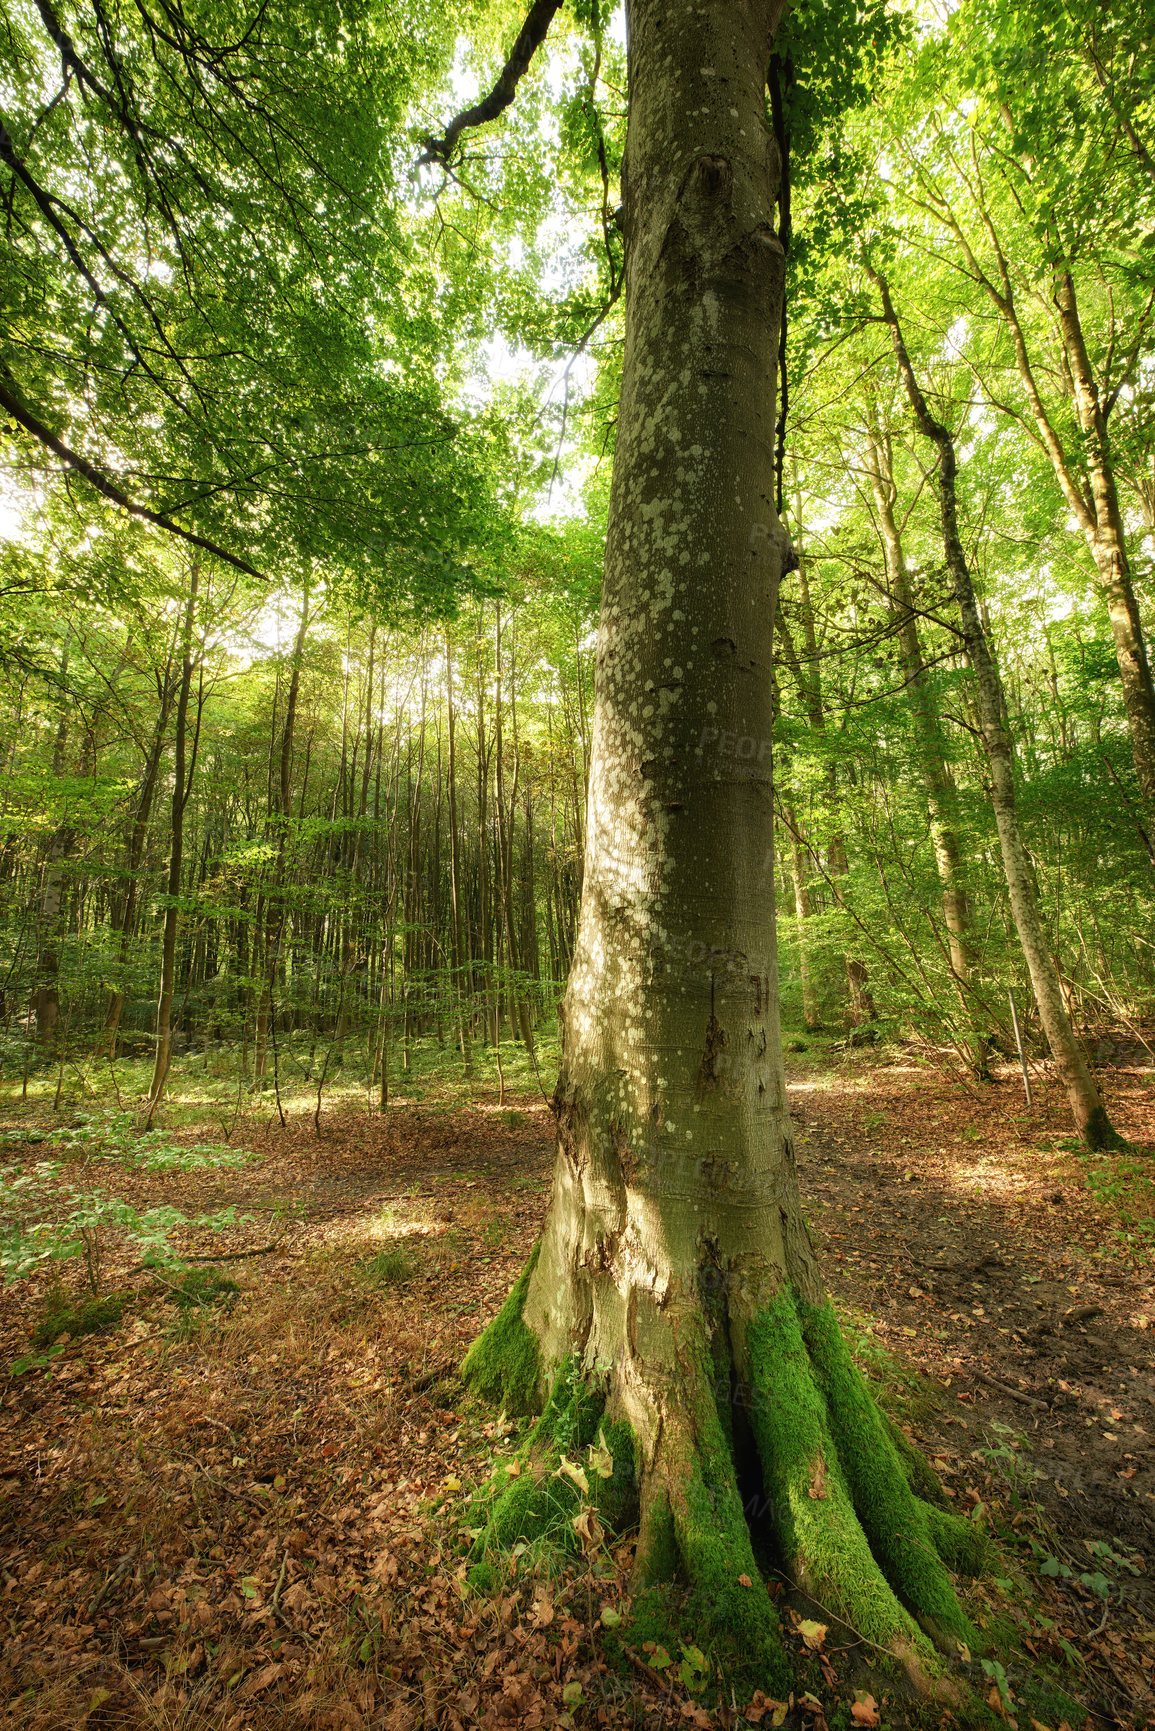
point(396, 1266)
point(200, 1288)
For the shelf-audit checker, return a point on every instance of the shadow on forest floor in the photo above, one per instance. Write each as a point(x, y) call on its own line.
point(241, 1514)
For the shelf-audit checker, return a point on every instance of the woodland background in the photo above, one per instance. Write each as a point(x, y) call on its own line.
point(305, 440)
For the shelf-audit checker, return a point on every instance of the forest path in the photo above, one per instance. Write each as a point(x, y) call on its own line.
point(970, 1244)
point(959, 1233)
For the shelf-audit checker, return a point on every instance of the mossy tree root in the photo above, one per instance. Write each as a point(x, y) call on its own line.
point(860, 1539)
point(504, 1363)
point(766, 1392)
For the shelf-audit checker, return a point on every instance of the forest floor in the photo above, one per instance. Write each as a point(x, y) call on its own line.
point(249, 1513)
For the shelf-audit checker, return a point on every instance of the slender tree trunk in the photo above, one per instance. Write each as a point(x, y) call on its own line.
point(276, 912)
point(46, 993)
point(455, 868)
point(1070, 1062)
point(936, 779)
point(124, 917)
point(675, 1278)
point(811, 1014)
point(1107, 540)
point(1093, 497)
point(860, 1002)
point(182, 773)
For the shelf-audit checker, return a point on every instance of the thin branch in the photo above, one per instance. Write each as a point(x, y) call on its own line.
point(73, 460)
point(529, 39)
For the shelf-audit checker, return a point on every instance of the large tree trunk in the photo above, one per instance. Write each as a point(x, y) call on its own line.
point(675, 1278)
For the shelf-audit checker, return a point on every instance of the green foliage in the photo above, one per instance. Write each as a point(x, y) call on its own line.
point(44, 1220)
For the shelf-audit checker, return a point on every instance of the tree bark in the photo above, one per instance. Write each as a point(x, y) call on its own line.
point(675, 1296)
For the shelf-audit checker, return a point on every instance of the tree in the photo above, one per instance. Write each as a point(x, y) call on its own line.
point(1043, 183)
point(1087, 1108)
point(675, 1290)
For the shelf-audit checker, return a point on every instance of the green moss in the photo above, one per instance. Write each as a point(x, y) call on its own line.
point(535, 1505)
point(656, 1558)
point(897, 1524)
point(569, 1419)
point(62, 1317)
point(812, 1504)
point(1100, 1134)
point(617, 1496)
point(540, 1501)
point(483, 1578)
point(920, 1475)
point(504, 1362)
point(962, 1545)
point(737, 1621)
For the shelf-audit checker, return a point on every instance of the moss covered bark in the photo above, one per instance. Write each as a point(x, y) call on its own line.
point(768, 1434)
point(504, 1362)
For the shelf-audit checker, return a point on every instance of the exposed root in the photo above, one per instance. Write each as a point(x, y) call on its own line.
point(504, 1362)
point(854, 1509)
point(693, 1518)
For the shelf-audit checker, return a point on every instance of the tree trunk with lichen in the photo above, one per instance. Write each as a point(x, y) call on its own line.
point(674, 1308)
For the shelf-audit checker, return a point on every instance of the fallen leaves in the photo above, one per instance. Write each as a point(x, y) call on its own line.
point(570, 1470)
point(863, 1709)
point(765, 1707)
point(589, 1530)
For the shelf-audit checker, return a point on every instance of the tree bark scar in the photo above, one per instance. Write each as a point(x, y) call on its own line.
point(714, 1047)
point(709, 174)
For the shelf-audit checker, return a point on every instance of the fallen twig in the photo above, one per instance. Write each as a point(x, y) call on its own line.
point(216, 1256)
point(276, 1599)
point(1015, 1393)
point(126, 1563)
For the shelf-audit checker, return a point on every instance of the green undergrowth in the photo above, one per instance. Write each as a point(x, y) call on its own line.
point(62, 1315)
point(1124, 1185)
point(200, 1288)
point(393, 1267)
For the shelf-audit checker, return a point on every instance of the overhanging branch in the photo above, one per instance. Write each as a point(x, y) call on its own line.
point(73, 460)
point(529, 39)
